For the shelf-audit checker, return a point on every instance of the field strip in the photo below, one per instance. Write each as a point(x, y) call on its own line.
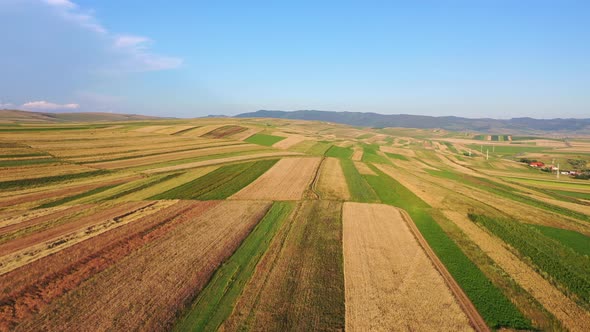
point(56, 214)
point(390, 282)
point(332, 183)
point(363, 168)
point(167, 275)
point(222, 161)
point(569, 313)
point(475, 318)
point(67, 269)
point(150, 129)
point(286, 180)
point(16, 217)
point(172, 156)
point(216, 302)
point(38, 245)
point(202, 130)
point(289, 142)
point(245, 134)
point(298, 284)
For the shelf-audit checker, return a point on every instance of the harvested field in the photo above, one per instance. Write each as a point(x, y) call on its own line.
point(224, 131)
point(390, 282)
point(200, 131)
point(61, 272)
point(167, 274)
point(289, 142)
point(299, 283)
point(331, 184)
point(287, 180)
point(363, 168)
point(245, 134)
point(357, 155)
point(172, 156)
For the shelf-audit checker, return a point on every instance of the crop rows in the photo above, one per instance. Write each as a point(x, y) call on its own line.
point(221, 183)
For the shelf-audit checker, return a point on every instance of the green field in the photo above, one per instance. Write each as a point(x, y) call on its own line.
point(221, 183)
point(578, 242)
point(360, 190)
point(339, 152)
point(562, 264)
point(371, 155)
point(396, 156)
point(264, 139)
point(216, 302)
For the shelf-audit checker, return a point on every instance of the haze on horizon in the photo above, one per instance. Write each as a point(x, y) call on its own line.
point(497, 59)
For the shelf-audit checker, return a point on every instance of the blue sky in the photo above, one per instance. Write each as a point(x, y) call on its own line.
point(475, 58)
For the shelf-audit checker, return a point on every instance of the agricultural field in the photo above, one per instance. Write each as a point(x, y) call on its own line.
point(238, 224)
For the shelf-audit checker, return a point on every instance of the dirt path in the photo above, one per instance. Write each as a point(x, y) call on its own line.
point(390, 282)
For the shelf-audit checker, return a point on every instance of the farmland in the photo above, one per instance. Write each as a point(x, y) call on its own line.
point(235, 224)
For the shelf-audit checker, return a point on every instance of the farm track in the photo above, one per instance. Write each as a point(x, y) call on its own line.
point(477, 322)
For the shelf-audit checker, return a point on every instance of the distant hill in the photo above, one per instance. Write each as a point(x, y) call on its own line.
point(11, 116)
point(524, 125)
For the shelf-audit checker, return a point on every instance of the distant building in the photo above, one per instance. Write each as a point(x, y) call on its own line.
point(536, 164)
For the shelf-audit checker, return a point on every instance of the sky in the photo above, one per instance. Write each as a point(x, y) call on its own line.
point(476, 58)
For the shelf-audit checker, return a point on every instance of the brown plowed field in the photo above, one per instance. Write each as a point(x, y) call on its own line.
point(286, 180)
point(28, 289)
point(148, 289)
point(390, 282)
point(332, 183)
point(245, 134)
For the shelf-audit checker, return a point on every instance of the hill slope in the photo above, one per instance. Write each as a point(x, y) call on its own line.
point(45, 117)
point(422, 121)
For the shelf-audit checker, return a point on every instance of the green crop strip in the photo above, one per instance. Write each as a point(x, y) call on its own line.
point(360, 190)
point(157, 180)
point(339, 152)
point(26, 162)
point(78, 196)
point(451, 147)
point(562, 264)
point(370, 155)
point(216, 302)
point(221, 183)
point(578, 242)
point(263, 139)
point(491, 303)
point(396, 156)
point(28, 183)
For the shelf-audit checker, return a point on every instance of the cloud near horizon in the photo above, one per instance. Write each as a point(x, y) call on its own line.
point(43, 105)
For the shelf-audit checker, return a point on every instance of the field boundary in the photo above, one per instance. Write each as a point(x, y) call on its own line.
point(476, 320)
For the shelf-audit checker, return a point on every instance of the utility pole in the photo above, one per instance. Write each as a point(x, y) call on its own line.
point(481, 148)
point(557, 171)
point(487, 154)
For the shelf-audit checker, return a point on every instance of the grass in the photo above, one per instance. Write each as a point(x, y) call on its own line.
point(396, 156)
point(573, 194)
point(339, 152)
point(263, 139)
point(319, 148)
point(221, 183)
point(360, 190)
point(216, 302)
point(47, 180)
point(563, 265)
point(578, 242)
point(27, 162)
point(371, 155)
point(492, 304)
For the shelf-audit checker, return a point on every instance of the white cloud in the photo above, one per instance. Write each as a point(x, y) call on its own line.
point(135, 49)
point(47, 106)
